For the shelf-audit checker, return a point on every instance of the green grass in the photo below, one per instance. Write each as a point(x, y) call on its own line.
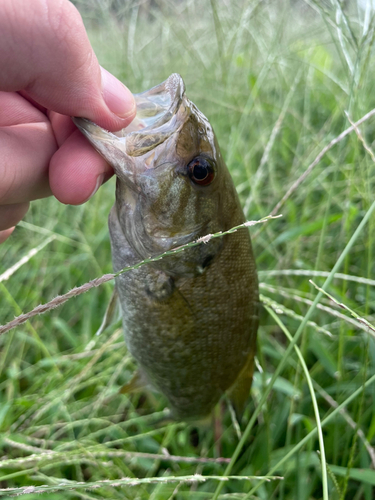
point(275, 80)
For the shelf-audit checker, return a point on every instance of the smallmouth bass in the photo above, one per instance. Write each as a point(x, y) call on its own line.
point(191, 319)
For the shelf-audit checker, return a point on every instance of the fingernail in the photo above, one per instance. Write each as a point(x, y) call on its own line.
point(117, 97)
point(99, 182)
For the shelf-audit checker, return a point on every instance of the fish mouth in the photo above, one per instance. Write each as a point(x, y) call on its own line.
point(157, 106)
point(155, 121)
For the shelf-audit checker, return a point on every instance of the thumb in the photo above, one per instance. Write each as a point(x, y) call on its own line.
point(45, 52)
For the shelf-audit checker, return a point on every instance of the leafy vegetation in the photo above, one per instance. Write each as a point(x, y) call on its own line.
point(278, 81)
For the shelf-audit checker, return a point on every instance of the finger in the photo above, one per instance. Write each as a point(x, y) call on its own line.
point(25, 153)
point(62, 126)
point(45, 51)
point(16, 110)
point(77, 171)
point(5, 234)
point(10, 215)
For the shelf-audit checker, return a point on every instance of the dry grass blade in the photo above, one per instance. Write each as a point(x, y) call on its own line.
point(320, 274)
point(38, 455)
point(368, 326)
point(312, 165)
point(123, 482)
point(61, 299)
point(329, 310)
point(281, 309)
point(361, 138)
point(56, 302)
point(9, 272)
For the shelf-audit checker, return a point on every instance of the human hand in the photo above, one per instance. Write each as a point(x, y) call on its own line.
point(49, 72)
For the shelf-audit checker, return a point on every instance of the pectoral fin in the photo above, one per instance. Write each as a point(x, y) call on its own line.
point(239, 392)
point(137, 383)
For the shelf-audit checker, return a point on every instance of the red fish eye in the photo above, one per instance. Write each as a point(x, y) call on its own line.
point(201, 171)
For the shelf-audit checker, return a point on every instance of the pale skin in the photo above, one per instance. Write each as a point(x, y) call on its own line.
point(49, 72)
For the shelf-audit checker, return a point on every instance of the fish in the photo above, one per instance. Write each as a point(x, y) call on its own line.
point(190, 319)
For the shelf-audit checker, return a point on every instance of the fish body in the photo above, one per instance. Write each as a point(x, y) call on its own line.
point(190, 319)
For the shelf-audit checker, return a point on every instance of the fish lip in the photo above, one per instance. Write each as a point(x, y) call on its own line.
point(93, 131)
point(156, 109)
point(174, 88)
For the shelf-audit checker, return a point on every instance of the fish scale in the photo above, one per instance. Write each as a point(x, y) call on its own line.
point(191, 319)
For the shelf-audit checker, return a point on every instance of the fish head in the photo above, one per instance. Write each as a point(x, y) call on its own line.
point(172, 183)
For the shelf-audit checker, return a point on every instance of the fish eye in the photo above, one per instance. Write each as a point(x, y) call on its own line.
point(201, 171)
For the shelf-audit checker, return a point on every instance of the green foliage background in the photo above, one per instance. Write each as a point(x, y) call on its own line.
point(275, 79)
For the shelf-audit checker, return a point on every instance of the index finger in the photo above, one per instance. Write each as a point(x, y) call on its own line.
point(45, 52)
